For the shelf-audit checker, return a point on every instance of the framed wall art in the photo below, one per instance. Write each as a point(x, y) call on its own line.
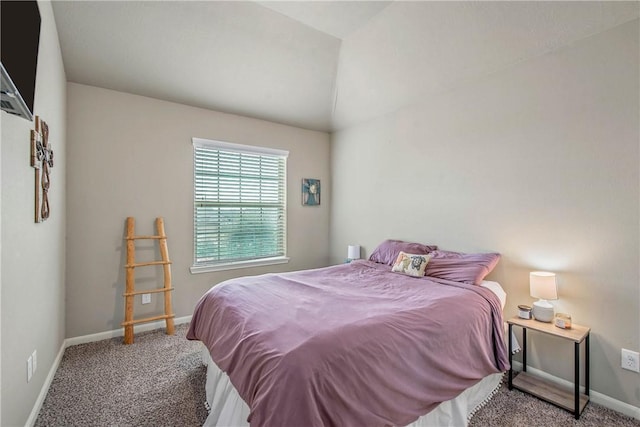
point(310, 192)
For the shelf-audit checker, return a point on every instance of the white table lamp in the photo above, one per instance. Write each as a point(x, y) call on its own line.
point(353, 252)
point(542, 285)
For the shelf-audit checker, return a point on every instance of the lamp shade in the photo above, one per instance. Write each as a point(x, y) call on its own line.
point(542, 285)
point(353, 252)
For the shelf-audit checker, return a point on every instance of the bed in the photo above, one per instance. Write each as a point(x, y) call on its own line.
point(353, 344)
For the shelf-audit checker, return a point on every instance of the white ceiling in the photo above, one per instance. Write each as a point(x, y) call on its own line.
point(314, 64)
point(337, 18)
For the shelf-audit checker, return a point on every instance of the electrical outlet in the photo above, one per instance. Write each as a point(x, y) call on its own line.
point(29, 368)
point(34, 357)
point(146, 298)
point(630, 360)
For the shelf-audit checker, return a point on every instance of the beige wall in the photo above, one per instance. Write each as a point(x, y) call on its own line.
point(539, 162)
point(33, 308)
point(132, 156)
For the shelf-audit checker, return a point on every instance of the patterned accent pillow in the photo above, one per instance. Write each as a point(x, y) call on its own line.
point(411, 264)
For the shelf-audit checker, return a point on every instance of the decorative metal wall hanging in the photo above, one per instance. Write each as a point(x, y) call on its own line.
point(42, 162)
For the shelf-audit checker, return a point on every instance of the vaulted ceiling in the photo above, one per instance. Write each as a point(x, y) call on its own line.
point(314, 64)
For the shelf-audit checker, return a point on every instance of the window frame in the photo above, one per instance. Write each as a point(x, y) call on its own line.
point(234, 264)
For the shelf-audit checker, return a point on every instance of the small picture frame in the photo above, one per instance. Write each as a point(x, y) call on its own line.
point(310, 192)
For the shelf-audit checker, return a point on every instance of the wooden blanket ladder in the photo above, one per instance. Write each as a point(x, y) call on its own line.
point(130, 267)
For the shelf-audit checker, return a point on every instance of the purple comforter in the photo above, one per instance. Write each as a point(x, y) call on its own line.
point(349, 345)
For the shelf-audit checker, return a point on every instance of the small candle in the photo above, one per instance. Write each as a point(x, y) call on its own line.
point(524, 312)
point(563, 321)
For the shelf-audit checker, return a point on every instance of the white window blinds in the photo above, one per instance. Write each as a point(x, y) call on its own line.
point(239, 203)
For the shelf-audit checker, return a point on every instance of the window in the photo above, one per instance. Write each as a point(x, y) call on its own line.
point(239, 205)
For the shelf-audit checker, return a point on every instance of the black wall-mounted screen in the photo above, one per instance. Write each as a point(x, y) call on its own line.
point(20, 37)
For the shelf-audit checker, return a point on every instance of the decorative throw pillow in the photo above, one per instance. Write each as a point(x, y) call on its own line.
point(387, 251)
point(461, 267)
point(411, 264)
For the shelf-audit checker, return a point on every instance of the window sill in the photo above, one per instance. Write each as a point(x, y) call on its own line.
point(196, 269)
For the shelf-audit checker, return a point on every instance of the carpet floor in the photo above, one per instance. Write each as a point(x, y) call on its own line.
point(156, 381)
point(517, 409)
point(159, 381)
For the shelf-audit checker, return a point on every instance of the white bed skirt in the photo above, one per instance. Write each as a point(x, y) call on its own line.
point(229, 410)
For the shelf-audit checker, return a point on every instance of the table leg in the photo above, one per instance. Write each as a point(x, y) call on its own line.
point(577, 380)
point(510, 358)
point(586, 367)
point(524, 349)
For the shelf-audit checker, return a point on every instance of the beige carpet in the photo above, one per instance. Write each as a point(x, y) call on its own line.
point(159, 381)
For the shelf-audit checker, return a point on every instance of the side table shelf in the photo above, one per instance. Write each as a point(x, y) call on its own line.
point(572, 401)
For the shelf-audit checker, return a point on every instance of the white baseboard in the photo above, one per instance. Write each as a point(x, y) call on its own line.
point(83, 340)
point(45, 388)
point(120, 332)
point(594, 396)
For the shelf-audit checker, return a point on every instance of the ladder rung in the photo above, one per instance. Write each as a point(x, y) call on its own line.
point(148, 319)
point(151, 291)
point(143, 264)
point(145, 237)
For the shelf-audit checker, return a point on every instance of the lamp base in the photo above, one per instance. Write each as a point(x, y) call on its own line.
point(542, 311)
